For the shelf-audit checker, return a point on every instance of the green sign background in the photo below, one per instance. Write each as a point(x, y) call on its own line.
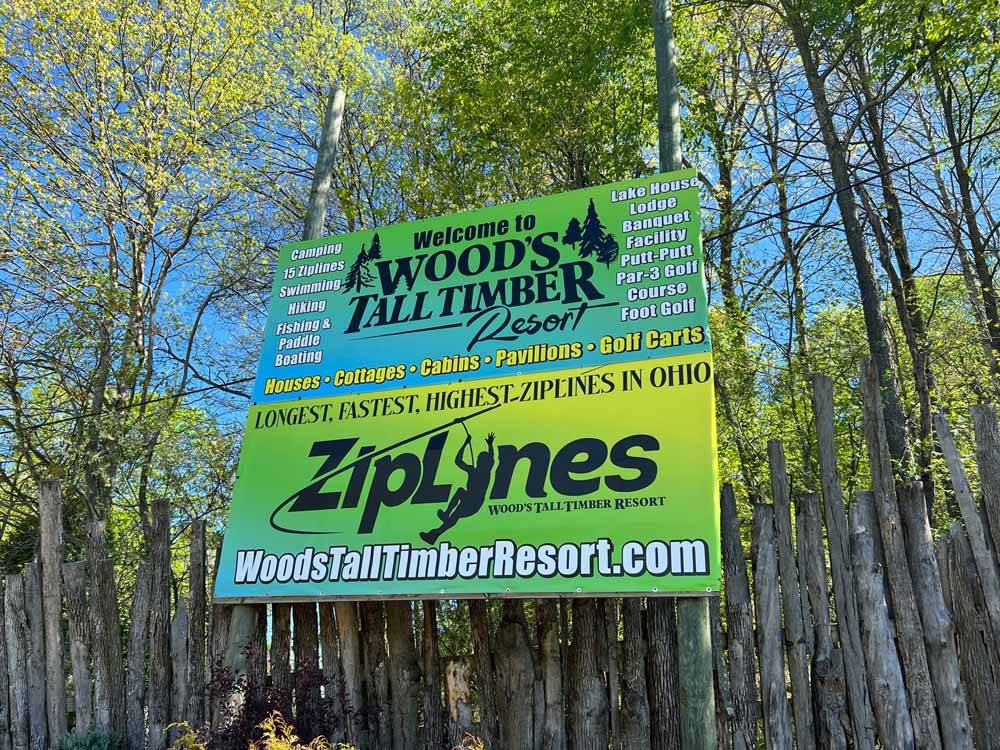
point(669, 400)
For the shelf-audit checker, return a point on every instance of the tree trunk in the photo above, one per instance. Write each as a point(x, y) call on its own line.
point(179, 666)
point(878, 342)
point(5, 741)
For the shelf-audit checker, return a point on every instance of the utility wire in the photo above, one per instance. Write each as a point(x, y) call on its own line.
point(731, 232)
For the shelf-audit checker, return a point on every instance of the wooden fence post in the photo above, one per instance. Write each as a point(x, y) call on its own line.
point(37, 710)
point(404, 674)
point(979, 653)
point(75, 582)
point(610, 637)
point(910, 636)
point(281, 657)
point(739, 627)
point(479, 621)
point(835, 517)
point(50, 534)
point(348, 633)
point(956, 732)
point(984, 419)
point(135, 679)
point(434, 733)
point(106, 646)
point(378, 709)
point(515, 671)
point(181, 687)
point(5, 743)
point(196, 624)
point(832, 726)
point(661, 673)
point(973, 523)
point(635, 731)
point(306, 682)
point(777, 719)
point(334, 703)
point(588, 705)
point(16, 633)
point(791, 598)
point(892, 711)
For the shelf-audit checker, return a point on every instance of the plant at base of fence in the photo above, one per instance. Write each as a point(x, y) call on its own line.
point(470, 742)
point(93, 740)
point(187, 740)
point(278, 734)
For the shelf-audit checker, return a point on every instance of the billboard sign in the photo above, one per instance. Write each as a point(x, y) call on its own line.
point(541, 474)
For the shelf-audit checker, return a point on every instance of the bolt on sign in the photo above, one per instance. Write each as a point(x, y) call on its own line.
point(515, 401)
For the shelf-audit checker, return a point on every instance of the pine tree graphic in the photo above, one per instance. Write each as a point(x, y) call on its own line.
point(607, 253)
point(359, 275)
point(572, 235)
point(592, 238)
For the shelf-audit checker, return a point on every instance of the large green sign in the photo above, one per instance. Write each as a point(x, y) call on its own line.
point(567, 446)
point(612, 273)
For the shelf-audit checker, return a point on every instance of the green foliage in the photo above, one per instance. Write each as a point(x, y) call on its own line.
point(93, 740)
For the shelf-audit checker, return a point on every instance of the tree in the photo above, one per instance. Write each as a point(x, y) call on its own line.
point(592, 236)
point(607, 253)
point(358, 275)
point(573, 234)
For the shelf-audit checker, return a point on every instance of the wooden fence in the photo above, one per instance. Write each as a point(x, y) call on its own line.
point(842, 625)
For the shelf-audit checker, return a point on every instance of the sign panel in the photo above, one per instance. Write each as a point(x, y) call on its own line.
point(514, 401)
point(599, 480)
point(570, 280)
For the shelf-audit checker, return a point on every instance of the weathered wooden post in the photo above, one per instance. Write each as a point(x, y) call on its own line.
point(51, 554)
point(4, 678)
point(694, 634)
point(892, 711)
point(739, 619)
point(910, 636)
point(835, 517)
point(767, 605)
point(37, 711)
point(794, 622)
point(956, 732)
point(16, 634)
point(196, 625)
point(75, 581)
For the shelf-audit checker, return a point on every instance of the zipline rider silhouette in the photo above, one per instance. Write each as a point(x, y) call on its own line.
point(467, 500)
